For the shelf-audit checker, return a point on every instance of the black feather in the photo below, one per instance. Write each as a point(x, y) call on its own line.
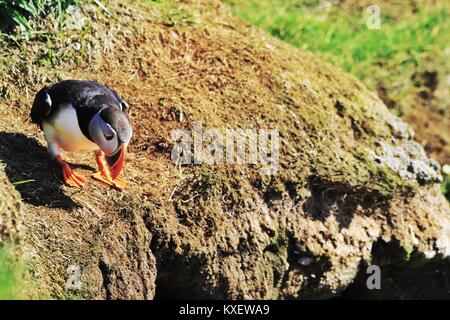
point(41, 108)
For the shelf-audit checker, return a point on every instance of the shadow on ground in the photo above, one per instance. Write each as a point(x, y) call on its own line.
point(26, 159)
point(330, 198)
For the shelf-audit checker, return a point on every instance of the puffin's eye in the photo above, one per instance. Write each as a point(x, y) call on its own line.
point(108, 132)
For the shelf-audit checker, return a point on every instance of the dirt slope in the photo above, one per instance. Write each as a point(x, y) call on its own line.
point(350, 175)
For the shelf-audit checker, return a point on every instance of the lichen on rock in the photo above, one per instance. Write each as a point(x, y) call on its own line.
point(408, 160)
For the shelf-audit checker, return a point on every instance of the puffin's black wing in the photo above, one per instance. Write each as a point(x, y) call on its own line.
point(42, 107)
point(84, 94)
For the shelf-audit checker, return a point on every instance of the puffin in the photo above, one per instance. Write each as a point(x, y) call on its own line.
point(84, 116)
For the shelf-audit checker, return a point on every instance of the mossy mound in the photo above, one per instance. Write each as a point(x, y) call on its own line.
point(349, 173)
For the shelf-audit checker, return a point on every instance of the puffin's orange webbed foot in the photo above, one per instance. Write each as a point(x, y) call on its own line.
point(120, 183)
point(104, 175)
point(70, 178)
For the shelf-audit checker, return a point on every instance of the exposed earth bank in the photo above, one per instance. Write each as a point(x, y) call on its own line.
point(352, 187)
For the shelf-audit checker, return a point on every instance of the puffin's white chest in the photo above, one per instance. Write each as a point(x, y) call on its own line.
point(63, 130)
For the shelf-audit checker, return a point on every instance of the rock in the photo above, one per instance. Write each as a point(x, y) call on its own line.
point(408, 160)
point(305, 261)
point(446, 169)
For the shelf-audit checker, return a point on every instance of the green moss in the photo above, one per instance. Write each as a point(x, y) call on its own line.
point(446, 187)
point(206, 181)
point(172, 14)
point(11, 274)
point(279, 242)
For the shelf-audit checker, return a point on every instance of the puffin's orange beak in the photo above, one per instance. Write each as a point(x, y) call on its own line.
point(115, 162)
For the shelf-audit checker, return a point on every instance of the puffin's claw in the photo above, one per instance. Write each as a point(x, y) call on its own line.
point(120, 183)
point(70, 178)
point(116, 183)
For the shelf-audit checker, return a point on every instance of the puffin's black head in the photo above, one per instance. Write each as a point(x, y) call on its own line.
point(111, 131)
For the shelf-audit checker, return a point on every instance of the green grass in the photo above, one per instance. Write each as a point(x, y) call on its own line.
point(10, 275)
point(20, 12)
point(386, 55)
point(171, 13)
point(446, 187)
